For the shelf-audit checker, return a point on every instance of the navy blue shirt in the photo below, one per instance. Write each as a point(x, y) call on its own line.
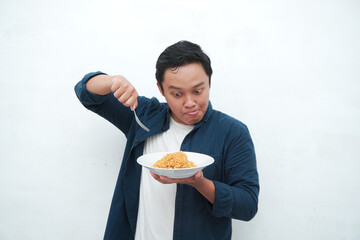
point(234, 171)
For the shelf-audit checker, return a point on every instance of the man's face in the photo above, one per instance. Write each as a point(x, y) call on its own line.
point(186, 90)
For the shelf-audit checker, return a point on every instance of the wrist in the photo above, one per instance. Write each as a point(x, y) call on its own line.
point(201, 182)
point(206, 187)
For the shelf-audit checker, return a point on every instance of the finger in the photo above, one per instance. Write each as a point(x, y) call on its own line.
point(167, 180)
point(189, 180)
point(124, 97)
point(114, 87)
point(116, 84)
point(118, 93)
point(157, 178)
point(198, 175)
point(131, 102)
point(154, 175)
point(135, 104)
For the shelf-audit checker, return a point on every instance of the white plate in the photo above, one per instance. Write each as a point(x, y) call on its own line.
point(200, 160)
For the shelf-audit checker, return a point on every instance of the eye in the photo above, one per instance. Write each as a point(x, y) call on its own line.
point(176, 94)
point(197, 91)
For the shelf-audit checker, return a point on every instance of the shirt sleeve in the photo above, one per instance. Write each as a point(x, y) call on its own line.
point(237, 195)
point(86, 97)
point(107, 106)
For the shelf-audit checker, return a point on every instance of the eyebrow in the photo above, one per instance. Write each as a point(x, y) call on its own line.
point(179, 88)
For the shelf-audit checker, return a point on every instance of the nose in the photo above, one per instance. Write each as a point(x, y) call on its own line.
point(189, 102)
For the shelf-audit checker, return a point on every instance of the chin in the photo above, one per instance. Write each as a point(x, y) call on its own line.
point(192, 121)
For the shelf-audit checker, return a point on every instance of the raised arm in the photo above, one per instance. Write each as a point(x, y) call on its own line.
point(123, 90)
point(109, 97)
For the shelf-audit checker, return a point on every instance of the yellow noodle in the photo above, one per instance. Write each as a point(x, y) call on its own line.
point(174, 161)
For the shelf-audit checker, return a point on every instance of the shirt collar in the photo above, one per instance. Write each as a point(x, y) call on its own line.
point(208, 113)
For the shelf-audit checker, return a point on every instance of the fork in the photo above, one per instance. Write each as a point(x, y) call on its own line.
point(139, 122)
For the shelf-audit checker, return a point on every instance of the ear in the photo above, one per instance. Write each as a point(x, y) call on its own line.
point(160, 90)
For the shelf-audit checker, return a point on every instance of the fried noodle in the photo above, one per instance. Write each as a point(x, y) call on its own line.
point(174, 161)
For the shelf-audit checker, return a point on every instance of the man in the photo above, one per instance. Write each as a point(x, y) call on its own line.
point(148, 206)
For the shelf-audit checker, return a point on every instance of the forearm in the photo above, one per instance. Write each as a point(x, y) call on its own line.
point(100, 84)
point(207, 188)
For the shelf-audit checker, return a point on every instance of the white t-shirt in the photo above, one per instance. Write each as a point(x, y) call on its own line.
point(155, 219)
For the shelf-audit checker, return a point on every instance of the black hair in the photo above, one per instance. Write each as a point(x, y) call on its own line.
point(180, 54)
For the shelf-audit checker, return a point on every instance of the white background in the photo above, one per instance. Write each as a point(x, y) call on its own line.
point(288, 69)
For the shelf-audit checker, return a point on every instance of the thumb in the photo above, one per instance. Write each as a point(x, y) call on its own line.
point(198, 175)
point(134, 106)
